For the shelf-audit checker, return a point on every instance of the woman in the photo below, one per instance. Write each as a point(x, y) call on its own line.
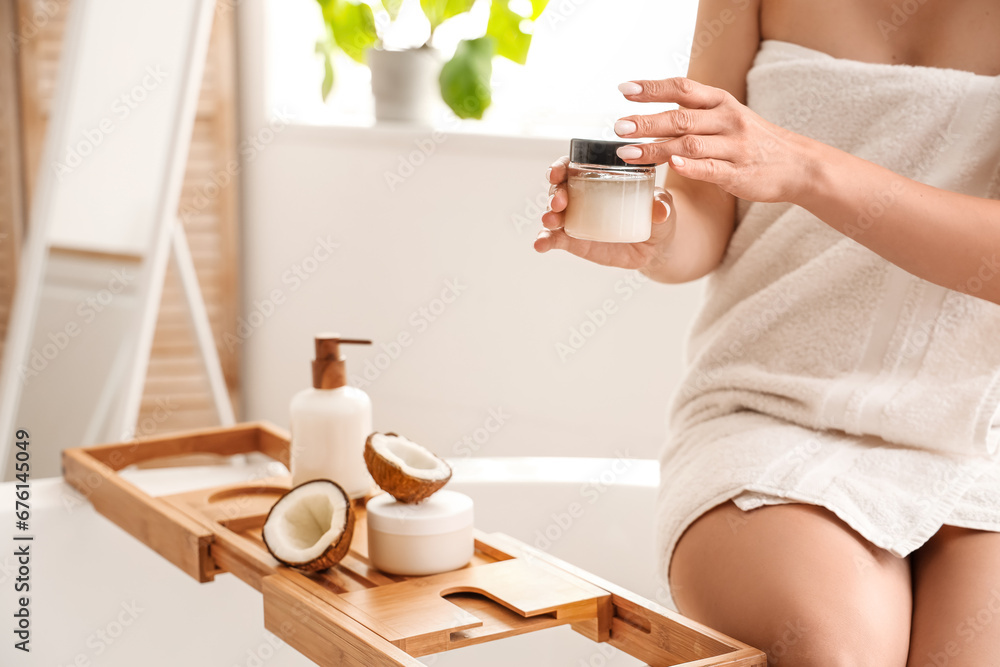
point(831, 488)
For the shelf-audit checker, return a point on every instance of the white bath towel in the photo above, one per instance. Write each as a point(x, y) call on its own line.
point(818, 371)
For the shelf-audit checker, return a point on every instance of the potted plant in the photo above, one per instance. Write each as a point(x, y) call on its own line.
point(403, 82)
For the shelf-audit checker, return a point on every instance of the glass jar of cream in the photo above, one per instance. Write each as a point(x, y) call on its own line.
point(609, 199)
point(429, 537)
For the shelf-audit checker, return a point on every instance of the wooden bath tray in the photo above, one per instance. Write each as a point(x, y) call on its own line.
point(355, 616)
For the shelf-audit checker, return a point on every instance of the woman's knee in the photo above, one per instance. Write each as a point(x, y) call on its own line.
point(956, 616)
point(796, 582)
point(815, 638)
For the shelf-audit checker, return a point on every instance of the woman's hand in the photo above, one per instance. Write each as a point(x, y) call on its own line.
point(715, 138)
point(623, 255)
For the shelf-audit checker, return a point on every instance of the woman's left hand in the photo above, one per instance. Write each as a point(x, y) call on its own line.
point(715, 138)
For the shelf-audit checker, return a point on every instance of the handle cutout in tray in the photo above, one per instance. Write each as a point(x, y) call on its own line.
point(497, 619)
point(508, 598)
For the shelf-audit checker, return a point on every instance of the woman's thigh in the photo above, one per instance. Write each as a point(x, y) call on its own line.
point(956, 600)
point(796, 582)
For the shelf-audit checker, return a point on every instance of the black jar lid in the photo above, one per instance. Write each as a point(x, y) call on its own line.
point(595, 151)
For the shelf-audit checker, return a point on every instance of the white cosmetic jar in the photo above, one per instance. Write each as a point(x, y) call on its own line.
point(609, 199)
point(430, 537)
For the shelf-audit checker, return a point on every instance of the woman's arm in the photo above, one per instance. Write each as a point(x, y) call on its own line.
point(946, 238)
point(693, 220)
point(726, 39)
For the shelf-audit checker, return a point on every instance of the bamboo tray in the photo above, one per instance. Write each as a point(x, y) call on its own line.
point(353, 615)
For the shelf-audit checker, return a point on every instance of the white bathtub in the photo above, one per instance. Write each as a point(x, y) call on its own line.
point(101, 598)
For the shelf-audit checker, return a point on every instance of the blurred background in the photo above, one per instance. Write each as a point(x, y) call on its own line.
point(306, 214)
point(190, 191)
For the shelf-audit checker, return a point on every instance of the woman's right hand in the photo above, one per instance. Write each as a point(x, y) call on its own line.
point(622, 255)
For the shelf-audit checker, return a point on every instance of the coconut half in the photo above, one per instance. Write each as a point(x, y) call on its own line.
point(311, 526)
point(403, 469)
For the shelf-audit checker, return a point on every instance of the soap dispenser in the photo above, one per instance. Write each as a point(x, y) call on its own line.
point(331, 422)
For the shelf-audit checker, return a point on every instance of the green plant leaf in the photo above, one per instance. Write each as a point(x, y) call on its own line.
point(353, 27)
point(328, 7)
point(438, 11)
point(537, 7)
point(505, 27)
point(325, 47)
point(392, 6)
point(465, 79)
point(327, 75)
point(434, 11)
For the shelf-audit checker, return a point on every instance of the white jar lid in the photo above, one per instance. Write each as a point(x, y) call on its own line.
point(444, 512)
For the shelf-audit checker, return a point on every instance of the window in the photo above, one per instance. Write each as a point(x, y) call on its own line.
point(580, 52)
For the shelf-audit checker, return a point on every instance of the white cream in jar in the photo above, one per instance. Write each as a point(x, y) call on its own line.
point(609, 199)
point(429, 537)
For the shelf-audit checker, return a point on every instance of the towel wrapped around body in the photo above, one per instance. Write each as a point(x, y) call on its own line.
point(818, 371)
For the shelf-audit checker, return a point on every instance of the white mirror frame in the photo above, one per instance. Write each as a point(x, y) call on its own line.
point(31, 272)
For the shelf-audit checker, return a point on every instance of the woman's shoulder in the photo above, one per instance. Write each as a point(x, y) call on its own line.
point(890, 32)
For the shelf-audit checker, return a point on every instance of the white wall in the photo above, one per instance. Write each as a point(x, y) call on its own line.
point(459, 217)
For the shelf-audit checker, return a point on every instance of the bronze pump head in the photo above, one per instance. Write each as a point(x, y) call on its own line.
point(329, 370)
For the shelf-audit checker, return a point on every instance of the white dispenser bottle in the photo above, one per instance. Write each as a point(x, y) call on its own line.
point(331, 422)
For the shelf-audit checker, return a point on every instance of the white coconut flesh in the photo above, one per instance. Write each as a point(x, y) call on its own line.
point(306, 521)
point(411, 458)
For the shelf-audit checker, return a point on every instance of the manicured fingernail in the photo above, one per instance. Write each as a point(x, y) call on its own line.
point(548, 174)
point(625, 127)
point(551, 197)
point(630, 88)
point(629, 152)
point(677, 160)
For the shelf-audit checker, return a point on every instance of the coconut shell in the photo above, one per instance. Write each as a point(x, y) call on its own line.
point(395, 482)
point(335, 552)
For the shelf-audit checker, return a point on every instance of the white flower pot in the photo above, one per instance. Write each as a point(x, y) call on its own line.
point(405, 84)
